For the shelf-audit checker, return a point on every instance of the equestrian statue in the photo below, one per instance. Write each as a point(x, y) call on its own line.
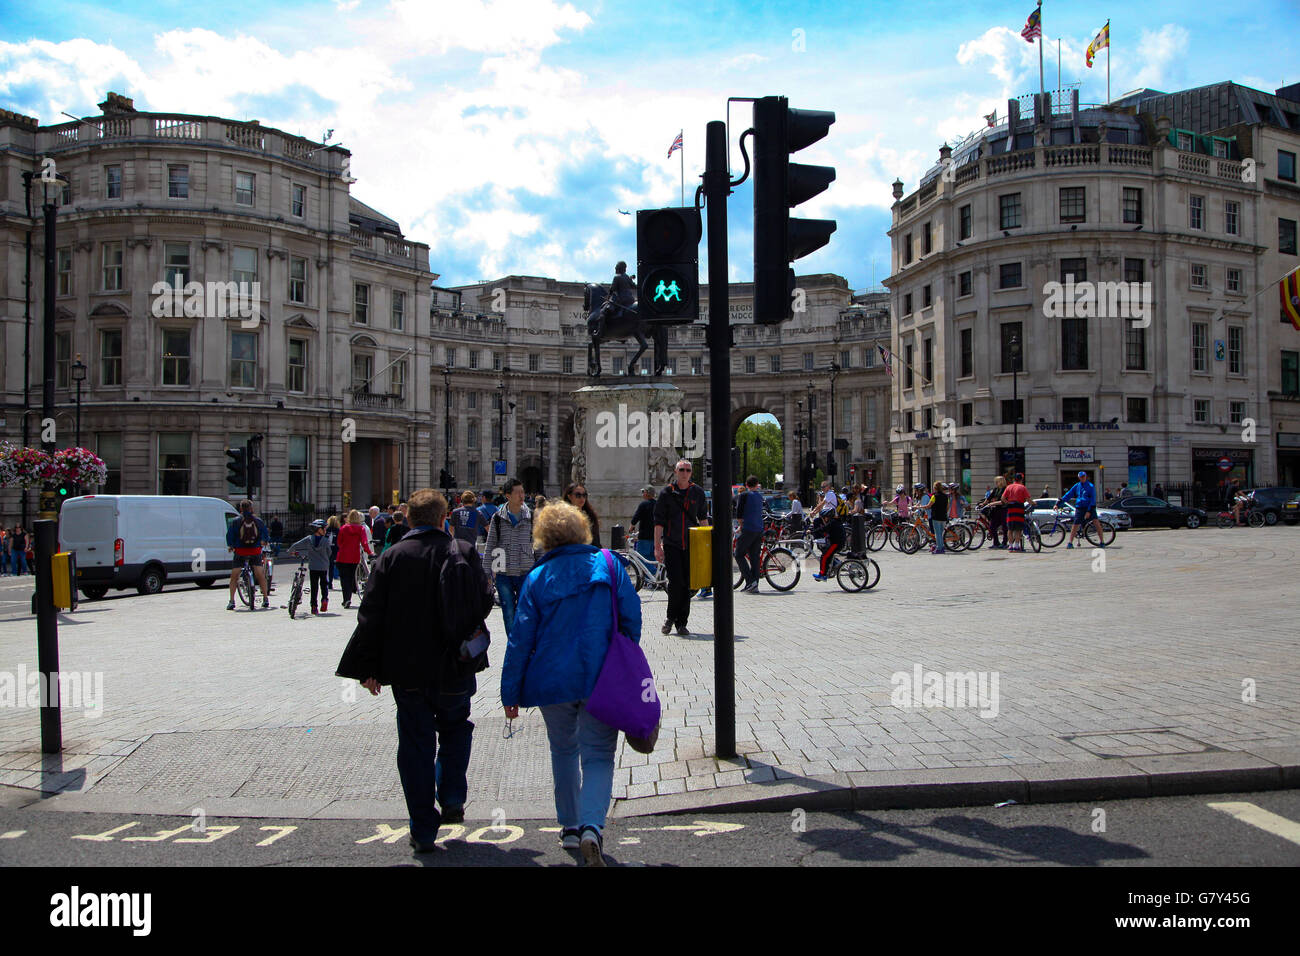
point(613, 316)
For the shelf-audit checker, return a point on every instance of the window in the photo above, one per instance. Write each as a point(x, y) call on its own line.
point(1009, 211)
point(534, 362)
point(399, 310)
point(1074, 410)
point(807, 361)
point(243, 360)
point(926, 301)
point(846, 359)
point(298, 203)
point(1009, 275)
point(1236, 412)
point(1012, 341)
point(449, 356)
point(928, 419)
point(297, 377)
point(1132, 206)
point(110, 357)
point(927, 241)
point(176, 356)
point(1232, 217)
point(566, 365)
point(473, 473)
point(907, 304)
point(473, 358)
point(1286, 165)
point(774, 362)
point(178, 182)
point(174, 463)
point(530, 403)
point(65, 271)
point(618, 365)
point(65, 195)
point(471, 400)
point(697, 364)
point(1200, 346)
point(363, 370)
point(1236, 348)
point(297, 279)
point(868, 357)
point(967, 414)
point(672, 365)
point(1185, 142)
point(1234, 280)
point(870, 403)
point(1137, 410)
point(1013, 411)
point(244, 263)
point(176, 263)
point(1134, 270)
point(1196, 212)
point(471, 435)
point(751, 364)
point(1201, 411)
point(496, 363)
point(929, 361)
point(108, 446)
point(1135, 347)
point(244, 188)
point(907, 367)
point(1291, 374)
point(1074, 343)
point(964, 222)
point(397, 381)
point(1199, 276)
point(113, 182)
point(963, 284)
point(111, 262)
point(1286, 236)
point(360, 303)
point(967, 364)
point(909, 424)
point(62, 359)
point(298, 489)
point(1220, 149)
point(907, 248)
point(1072, 204)
point(1076, 269)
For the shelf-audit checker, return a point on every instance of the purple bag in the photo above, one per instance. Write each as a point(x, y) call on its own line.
point(625, 696)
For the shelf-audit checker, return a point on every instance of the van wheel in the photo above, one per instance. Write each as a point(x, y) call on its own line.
point(206, 582)
point(94, 593)
point(151, 582)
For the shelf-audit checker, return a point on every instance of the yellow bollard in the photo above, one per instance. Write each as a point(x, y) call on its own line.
point(63, 568)
point(701, 572)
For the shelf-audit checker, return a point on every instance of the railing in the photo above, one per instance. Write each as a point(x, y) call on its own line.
point(112, 127)
point(909, 205)
point(298, 148)
point(1079, 154)
point(967, 173)
point(398, 247)
point(1129, 155)
point(1191, 163)
point(927, 192)
point(362, 238)
point(362, 398)
point(250, 137)
point(67, 133)
point(178, 128)
point(1011, 162)
point(1228, 169)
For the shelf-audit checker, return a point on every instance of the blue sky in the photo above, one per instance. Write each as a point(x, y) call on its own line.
point(507, 134)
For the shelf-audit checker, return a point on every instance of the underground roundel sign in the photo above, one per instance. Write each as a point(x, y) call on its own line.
point(1225, 464)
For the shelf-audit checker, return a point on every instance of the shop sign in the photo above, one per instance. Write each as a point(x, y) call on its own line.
point(1076, 456)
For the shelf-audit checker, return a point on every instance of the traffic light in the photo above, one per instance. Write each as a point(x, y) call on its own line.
point(254, 476)
point(779, 186)
point(668, 264)
point(706, 468)
point(831, 467)
point(236, 468)
point(446, 480)
point(735, 463)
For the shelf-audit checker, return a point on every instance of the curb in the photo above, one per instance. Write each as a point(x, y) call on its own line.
point(1267, 768)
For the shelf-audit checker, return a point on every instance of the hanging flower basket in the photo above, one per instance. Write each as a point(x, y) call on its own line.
point(80, 466)
point(27, 467)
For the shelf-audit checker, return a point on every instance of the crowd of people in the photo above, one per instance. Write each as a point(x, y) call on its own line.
point(15, 550)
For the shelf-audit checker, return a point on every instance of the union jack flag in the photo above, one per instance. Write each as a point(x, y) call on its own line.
point(677, 144)
point(886, 357)
point(1034, 25)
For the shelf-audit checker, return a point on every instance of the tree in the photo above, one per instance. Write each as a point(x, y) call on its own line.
point(768, 457)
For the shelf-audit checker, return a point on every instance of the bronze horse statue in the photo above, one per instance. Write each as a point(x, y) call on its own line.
point(607, 321)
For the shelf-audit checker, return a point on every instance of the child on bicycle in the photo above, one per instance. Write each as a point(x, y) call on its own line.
point(316, 547)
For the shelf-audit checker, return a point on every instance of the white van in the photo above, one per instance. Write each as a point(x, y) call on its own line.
point(145, 541)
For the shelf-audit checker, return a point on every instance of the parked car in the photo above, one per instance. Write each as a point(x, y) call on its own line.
point(1291, 510)
point(144, 541)
point(1270, 501)
point(1042, 513)
point(1148, 512)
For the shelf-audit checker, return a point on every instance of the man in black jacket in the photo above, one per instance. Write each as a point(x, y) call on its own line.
point(426, 596)
point(681, 506)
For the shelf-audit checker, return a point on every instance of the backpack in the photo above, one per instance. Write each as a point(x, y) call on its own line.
point(841, 507)
point(458, 553)
point(249, 536)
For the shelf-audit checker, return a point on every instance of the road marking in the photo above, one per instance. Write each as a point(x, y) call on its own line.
point(213, 835)
point(386, 833)
point(629, 841)
point(699, 827)
point(512, 834)
point(12, 835)
point(160, 835)
point(107, 834)
point(1259, 817)
point(284, 832)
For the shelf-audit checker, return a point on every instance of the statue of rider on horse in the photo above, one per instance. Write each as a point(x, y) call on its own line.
point(612, 315)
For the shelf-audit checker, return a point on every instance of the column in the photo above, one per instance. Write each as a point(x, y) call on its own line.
point(552, 443)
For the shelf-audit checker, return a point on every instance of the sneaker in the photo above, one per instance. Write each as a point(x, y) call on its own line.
point(324, 605)
point(592, 847)
point(667, 628)
point(266, 604)
point(347, 605)
point(682, 632)
point(453, 814)
point(419, 847)
point(571, 838)
point(231, 605)
point(819, 577)
point(314, 611)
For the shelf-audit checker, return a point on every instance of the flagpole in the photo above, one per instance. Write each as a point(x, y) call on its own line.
point(683, 158)
point(1107, 62)
point(1058, 65)
point(1041, 89)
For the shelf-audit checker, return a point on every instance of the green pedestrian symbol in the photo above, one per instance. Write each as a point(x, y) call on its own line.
point(667, 291)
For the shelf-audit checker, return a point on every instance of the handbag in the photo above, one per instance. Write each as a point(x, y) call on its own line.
point(625, 696)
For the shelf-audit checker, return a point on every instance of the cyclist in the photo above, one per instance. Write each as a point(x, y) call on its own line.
point(996, 513)
point(829, 519)
point(1016, 496)
point(749, 543)
point(643, 522)
point(1084, 493)
point(901, 501)
point(317, 548)
point(246, 538)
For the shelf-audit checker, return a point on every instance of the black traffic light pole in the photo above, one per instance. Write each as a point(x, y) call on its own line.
point(717, 187)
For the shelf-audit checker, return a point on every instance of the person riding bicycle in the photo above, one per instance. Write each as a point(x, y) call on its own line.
point(245, 537)
point(749, 509)
point(316, 546)
point(901, 502)
point(833, 526)
point(1084, 493)
point(1241, 501)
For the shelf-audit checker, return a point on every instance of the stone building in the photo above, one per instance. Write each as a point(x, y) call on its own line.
point(1186, 201)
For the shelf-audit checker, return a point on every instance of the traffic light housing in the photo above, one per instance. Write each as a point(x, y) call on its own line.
point(779, 186)
point(446, 480)
point(706, 468)
point(831, 467)
point(668, 264)
point(735, 463)
point(236, 467)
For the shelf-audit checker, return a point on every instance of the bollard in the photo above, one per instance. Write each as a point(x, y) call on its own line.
point(857, 534)
point(617, 539)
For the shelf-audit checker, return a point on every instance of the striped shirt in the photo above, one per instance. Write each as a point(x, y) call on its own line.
point(515, 540)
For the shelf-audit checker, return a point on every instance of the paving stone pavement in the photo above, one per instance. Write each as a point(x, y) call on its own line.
point(1149, 648)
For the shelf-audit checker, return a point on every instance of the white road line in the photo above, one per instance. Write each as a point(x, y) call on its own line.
point(1259, 817)
point(12, 835)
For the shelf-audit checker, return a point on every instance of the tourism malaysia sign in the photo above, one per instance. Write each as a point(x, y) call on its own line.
point(1077, 426)
point(1076, 456)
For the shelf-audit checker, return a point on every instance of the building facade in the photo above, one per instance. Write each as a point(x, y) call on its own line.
point(1095, 289)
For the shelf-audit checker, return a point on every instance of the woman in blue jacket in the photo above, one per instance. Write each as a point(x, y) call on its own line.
point(562, 630)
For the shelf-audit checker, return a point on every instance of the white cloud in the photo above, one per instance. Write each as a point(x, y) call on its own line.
point(742, 62)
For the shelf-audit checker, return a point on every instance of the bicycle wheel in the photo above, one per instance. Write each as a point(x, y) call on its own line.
point(295, 596)
point(877, 537)
point(976, 536)
point(363, 574)
point(909, 540)
point(852, 575)
point(1107, 533)
point(738, 576)
point(1033, 536)
point(1053, 535)
point(954, 539)
point(1256, 519)
point(245, 588)
point(781, 569)
point(1226, 521)
point(636, 574)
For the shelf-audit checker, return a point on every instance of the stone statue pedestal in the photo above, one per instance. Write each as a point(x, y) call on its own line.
point(627, 437)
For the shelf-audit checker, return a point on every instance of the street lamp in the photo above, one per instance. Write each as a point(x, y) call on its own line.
point(79, 376)
point(542, 435)
point(1015, 403)
point(446, 422)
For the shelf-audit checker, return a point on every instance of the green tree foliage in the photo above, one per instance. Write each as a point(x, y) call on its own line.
point(767, 457)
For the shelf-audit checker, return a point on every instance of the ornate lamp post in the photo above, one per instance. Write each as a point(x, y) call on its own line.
point(542, 434)
point(79, 376)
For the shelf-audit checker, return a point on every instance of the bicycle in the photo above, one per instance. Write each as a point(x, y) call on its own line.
point(246, 586)
point(1256, 519)
point(295, 593)
point(363, 575)
point(1054, 533)
point(890, 530)
point(638, 569)
point(854, 572)
point(778, 565)
point(955, 537)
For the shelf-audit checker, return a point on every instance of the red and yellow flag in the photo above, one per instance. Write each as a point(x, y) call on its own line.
point(1099, 43)
point(1289, 289)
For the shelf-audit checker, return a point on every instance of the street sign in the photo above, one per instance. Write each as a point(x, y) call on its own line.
point(1225, 464)
point(498, 467)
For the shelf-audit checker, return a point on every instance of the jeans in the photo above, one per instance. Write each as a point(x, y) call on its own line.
point(508, 588)
point(937, 526)
point(319, 579)
point(581, 798)
point(677, 563)
point(748, 547)
point(19, 559)
point(434, 736)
